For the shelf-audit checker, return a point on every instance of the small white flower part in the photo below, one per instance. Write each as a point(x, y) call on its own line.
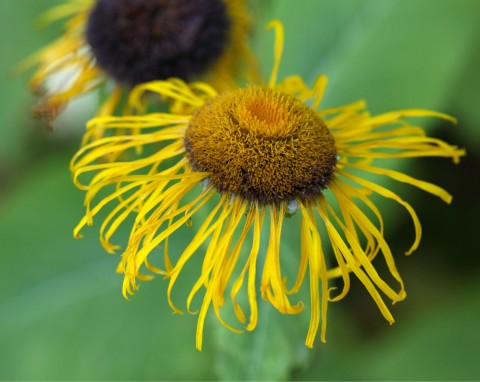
point(292, 206)
point(205, 183)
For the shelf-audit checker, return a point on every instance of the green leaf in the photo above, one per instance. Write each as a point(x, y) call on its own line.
point(270, 352)
point(435, 336)
point(465, 98)
point(62, 315)
point(440, 344)
point(21, 39)
point(395, 54)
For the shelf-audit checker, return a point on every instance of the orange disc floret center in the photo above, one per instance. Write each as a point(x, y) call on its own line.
point(261, 145)
point(263, 116)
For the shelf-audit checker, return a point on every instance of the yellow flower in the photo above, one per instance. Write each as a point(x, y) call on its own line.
point(135, 41)
point(243, 161)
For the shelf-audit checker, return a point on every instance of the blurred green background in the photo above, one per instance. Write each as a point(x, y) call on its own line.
point(62, 316)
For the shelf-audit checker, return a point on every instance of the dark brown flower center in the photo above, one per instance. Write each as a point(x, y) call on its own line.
point(261, 145)
point(137, 41)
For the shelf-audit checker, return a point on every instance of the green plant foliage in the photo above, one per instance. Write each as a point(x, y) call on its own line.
point(439, 343)
point(393, 53)
point(62, 315)
point(19, 40)
point(270, 352)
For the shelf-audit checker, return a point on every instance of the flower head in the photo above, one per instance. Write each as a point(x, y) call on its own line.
point(136, 41)
point(277, 148)
point(241, 162)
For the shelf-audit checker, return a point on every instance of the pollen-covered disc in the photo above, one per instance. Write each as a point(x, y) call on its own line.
point(262, 145)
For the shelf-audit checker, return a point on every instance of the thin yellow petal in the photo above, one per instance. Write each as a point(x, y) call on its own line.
point(337, 241)
point(400, 177)
point(277, 50)
point(390, 195)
